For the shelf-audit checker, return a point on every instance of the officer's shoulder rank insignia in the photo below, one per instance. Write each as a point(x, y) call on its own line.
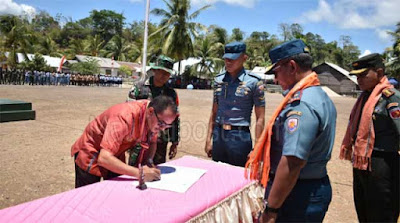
point(296, 97)
point(387, 92)
point(298, 113)
point(292, 124)
point(395, 113)
point(391, 105)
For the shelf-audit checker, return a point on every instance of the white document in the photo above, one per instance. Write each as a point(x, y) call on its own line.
point(175, 178)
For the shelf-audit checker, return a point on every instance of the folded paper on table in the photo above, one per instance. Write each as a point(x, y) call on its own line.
point(175, 178)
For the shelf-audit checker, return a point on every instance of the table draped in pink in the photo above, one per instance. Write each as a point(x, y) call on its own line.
point(118, 200)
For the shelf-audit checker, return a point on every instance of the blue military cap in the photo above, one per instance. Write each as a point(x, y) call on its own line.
point(234, 50)
point(286, 50)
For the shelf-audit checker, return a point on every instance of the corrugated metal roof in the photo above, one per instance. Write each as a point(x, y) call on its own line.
point(132, 66)
point(103, 62)
point(51, 61)
point(343, 71)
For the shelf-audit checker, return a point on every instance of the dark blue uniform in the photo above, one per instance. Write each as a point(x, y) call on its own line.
point(235, 98)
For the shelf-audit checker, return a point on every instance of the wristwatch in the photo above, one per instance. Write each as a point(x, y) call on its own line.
point(269, 209)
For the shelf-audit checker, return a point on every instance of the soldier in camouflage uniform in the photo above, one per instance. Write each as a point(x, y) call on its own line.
point(153, 86)
point(372, 143)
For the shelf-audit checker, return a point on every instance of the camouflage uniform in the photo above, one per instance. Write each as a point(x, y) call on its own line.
point(147, 90)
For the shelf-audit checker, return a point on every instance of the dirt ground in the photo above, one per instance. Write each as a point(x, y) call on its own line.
point(35, 155)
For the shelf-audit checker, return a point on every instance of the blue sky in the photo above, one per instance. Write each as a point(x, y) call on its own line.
point(365, 21)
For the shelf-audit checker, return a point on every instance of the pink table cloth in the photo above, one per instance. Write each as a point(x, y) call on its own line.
point(119, 201)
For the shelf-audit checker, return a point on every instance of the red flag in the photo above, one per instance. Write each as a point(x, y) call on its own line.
point(61, 64)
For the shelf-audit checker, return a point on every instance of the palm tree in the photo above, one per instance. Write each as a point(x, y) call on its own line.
point(177, 28)
point(93, 45)
point(219, 35)
point(48, 47)
point(393, 66)
point(207, 51)
point(16, 37)
point(119, 48)
point(76, 47)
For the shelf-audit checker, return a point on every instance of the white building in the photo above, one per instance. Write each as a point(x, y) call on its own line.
point(107, 65)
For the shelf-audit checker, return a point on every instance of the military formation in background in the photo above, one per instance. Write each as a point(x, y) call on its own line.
point(20, 77)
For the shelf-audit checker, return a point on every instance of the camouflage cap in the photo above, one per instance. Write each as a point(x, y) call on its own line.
point(163, 63)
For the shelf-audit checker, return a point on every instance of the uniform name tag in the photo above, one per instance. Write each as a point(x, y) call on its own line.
point(298, 113)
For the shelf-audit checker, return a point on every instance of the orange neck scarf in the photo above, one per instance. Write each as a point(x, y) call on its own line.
point(258, 165)
point(365, 138)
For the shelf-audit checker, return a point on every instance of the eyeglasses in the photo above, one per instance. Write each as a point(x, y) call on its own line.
point(161, 123)
point(277, 67)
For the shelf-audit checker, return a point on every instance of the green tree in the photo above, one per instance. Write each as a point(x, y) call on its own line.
point(16, 37)
point(71, 31)
point(218, 35)
point(76, 47)
point(125, 70)
point(259, 44)
point(296, 30)
point(136, 33)
point(93, 45)
point(237, 35)
point(48, 47)
point(43, 22)
point(107, 23)
point(90, 66)
point(177, 28)
point(119, 48)
point(285, 31)
point(319, 50)
point(350, 51)
point(207, 51)
point(393, 65)
point(37, 63)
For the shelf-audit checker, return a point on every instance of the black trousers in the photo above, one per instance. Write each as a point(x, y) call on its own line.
point(83, 178)
point(376, 192)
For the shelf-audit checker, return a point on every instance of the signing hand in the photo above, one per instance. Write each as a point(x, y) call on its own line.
point(151, 174)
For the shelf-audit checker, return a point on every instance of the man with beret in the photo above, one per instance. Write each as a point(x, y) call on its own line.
point(372, 142)
point(100, 151)
point(154, 85)
point(291, 156)
point(236, 91)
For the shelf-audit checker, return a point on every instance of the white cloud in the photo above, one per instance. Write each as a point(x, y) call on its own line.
point(355, 14)
point(384, 35)
point(366, 52)
point(10, 7)
point(243, 3)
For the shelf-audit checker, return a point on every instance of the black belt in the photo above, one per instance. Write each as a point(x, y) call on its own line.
point(233, 127)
